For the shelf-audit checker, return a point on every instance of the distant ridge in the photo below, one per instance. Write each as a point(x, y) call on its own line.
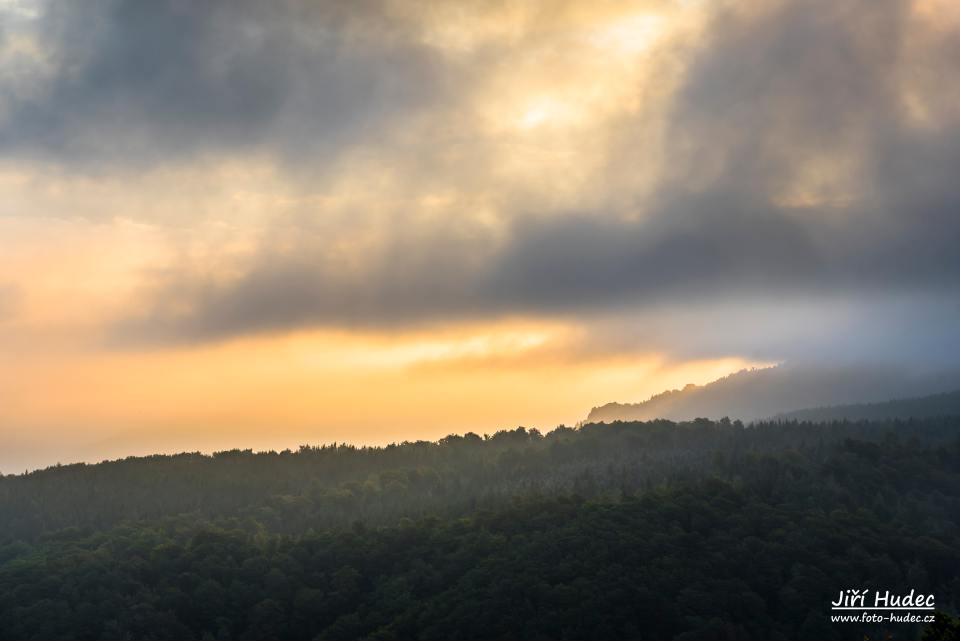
point(756, 394)
point(947, 404)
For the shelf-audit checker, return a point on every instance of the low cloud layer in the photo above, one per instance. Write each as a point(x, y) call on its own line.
point(564, 265)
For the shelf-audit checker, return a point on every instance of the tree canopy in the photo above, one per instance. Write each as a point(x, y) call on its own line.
point(700, 530)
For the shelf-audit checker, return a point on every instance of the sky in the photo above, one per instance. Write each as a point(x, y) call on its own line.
point(231, 223)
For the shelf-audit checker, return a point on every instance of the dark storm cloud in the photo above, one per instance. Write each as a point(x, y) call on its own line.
point(768, 96)
point(714, 252)
point(148, 81)
point(408, 281)
point(816, 81)
point(768, 91)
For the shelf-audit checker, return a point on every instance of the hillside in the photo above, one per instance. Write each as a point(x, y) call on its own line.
point(756, 394)
point(659, 530)
point(925, 407)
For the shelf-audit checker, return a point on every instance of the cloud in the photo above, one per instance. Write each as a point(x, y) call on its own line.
point(802, 151)
point(139, 82)
point(699, 250)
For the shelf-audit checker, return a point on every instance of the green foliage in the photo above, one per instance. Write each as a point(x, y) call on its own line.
point(626, 531)
point(947, 404)
point(944, 628)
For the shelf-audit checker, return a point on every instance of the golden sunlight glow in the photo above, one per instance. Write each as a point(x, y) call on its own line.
point(276, 392)
point(545, 111)
point(82, 249)
point(629, 36)
point(73, 399)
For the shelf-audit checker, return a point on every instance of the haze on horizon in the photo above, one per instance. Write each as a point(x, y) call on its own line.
point(241, 224)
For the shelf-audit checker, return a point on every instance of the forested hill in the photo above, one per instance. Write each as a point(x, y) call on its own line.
point(758, 394)
point(317, 487)
point(659, 531)
point(928, 406)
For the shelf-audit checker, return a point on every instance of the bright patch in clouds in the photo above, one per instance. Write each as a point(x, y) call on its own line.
point(630, 36)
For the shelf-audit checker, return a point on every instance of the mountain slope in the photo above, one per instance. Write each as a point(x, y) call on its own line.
point(659, 530)
point(759, 393)
point(947, 404)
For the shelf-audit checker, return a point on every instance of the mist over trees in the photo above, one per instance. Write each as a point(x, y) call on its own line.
point(936, 405)
point(659, 530)
point(759, 394)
